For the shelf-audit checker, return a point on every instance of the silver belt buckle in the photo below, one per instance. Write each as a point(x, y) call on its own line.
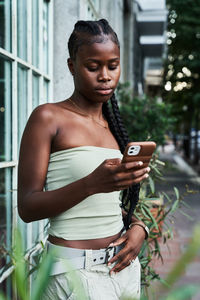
point(107, 257)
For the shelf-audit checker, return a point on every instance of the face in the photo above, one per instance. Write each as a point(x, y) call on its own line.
point(96, 70)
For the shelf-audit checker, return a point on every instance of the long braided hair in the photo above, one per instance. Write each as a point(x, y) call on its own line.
point(87, 33)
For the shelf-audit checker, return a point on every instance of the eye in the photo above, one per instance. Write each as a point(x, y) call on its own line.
point(113, 67)
point(92, 68)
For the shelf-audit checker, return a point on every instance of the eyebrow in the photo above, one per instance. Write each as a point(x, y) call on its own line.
point(98, 60)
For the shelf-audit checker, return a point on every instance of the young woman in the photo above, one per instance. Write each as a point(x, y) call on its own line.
point(73, 148)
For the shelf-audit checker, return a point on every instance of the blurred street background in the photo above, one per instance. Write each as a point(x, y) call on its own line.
point(180, 175)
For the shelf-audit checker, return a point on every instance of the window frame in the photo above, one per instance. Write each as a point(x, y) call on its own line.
point(43, 78)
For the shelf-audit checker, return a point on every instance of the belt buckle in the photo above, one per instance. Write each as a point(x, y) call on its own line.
point(107, 257)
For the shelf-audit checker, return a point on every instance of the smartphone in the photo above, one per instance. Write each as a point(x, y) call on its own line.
point(139, 151)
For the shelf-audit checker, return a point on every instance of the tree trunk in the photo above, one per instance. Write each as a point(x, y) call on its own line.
point(196, 150)
point(186, 145)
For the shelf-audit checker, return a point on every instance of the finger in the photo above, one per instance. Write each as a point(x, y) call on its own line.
point(123, 263)
point(119, 241)
point(127, 183)
point(123, 167)
point(130, 175)
point(119, 256)
point(140, 172)
point(113, 161)
point(119, 266)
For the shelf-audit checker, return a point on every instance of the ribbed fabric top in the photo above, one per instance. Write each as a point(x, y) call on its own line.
point(97, 216)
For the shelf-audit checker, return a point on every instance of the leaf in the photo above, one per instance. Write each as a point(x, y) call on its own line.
point(20, 272)
point(186, 215)
point(185, 204)
point(167, 197)
point(152, 185)
point(43, 276)
point(177, 193)
point(148, 215)
point(174, 206)
point(2, 297)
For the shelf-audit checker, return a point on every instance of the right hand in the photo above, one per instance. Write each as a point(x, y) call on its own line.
point(112, 175)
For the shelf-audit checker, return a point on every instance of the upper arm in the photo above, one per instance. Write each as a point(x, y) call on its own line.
point(35, 150)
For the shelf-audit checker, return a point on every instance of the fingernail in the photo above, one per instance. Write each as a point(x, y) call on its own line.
point(148, 169)
point(140, 163)
point(111, 245)
point(146, 175)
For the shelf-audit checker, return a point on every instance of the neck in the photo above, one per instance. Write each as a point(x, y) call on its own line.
point(89, 107)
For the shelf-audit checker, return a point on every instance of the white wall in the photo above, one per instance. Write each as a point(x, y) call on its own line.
point(66, 14)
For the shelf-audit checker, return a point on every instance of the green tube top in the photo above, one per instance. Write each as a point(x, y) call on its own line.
point(97, 216)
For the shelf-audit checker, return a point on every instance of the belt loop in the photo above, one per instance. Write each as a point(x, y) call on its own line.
point(88, 259)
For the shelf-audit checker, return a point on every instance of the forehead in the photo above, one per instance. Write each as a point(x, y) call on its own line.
point(106, 49)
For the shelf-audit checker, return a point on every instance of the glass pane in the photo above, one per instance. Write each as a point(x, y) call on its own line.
point(5, 24)
point(35, 232)
point(5, 110)
point(5, 214)
point(45, 36)
point(45, 91)
point(22, 29)
point(96, 4)
point(5, 224)
point(35, 90)
point(90, 13)
point(35, 33)
point(22, 101)
point(5, 288)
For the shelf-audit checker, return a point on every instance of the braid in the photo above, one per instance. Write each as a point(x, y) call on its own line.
point(131, 195)
point(120, 123)
point(113, 125)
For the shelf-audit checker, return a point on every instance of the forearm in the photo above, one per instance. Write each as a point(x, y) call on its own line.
point(45, 204)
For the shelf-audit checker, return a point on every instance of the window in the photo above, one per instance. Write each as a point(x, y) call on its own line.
point(5, 109)
point(25, 82)
point(89, 10)
point(35, 90)
point(5, 24)
point(35, 33)
point(22, 29)
point(22, 98)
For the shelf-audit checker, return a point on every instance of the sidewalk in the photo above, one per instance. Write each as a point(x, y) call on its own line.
point(179, 175)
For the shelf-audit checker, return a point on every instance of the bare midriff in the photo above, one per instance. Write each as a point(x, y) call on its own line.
point(94, 244)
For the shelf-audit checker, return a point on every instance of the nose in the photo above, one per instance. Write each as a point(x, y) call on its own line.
point(104, 75)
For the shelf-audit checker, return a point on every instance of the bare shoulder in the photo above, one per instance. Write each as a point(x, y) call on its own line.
point(46, 116)
point(44, 112)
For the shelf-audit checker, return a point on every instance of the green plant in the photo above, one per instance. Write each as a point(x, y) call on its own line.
point(147, 118)
point(144, 117)
point(21, 273)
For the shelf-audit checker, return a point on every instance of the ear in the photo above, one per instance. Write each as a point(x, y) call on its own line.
point(70, 64)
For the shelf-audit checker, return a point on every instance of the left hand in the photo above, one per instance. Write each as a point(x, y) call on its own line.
point(133, 240)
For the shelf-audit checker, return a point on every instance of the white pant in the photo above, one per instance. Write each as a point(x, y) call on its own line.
point(97, 284)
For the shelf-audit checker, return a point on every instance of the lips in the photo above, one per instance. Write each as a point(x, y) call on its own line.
point(104, 91)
